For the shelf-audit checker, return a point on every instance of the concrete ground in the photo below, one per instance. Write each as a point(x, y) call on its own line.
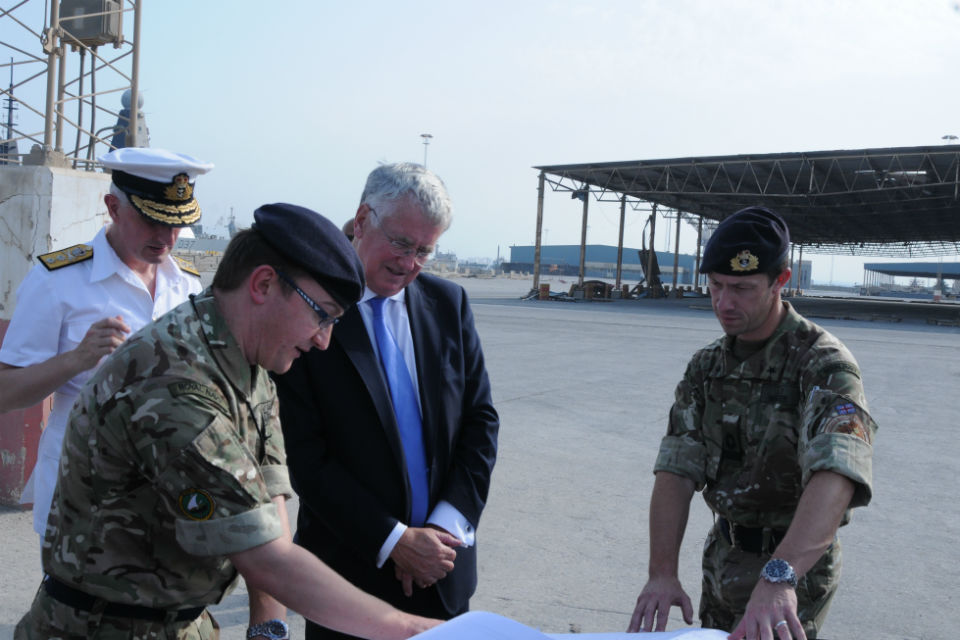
point(583, 391)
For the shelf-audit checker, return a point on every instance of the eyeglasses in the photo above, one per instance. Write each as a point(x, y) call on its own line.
point(402, 248)
point(326, 320)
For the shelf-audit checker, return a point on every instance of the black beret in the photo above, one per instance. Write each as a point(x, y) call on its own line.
point(753, 240)
point(315, 244)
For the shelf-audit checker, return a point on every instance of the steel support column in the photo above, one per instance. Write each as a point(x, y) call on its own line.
point(793, 276)
point(536, 247)
point(53, 54)
point(676, 254)
point(800, 273)
point(623, 213)
point(653, 230)
point(696, 272)
point(60, 104)
point(583, 235)
point(135, 79)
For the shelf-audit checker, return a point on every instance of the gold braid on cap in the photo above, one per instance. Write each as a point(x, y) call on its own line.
point(180, 214)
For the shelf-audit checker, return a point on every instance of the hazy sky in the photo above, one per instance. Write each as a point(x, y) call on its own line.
point(297, 101)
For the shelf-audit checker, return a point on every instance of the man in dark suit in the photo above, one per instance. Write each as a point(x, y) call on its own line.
point(391, 434)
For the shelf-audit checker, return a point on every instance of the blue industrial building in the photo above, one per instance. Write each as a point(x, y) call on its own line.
point(601, 263)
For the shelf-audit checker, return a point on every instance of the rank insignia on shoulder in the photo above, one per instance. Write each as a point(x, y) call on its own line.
point(186, 266)
point(71, 255)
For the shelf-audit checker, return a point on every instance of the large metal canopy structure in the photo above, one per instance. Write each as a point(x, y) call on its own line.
point(898, 202)
point(948, 270)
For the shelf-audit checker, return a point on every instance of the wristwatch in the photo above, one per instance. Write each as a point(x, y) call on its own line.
point(778, 571)
point(272, 629)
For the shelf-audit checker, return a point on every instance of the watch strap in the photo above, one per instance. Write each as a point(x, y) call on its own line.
point(273, 629)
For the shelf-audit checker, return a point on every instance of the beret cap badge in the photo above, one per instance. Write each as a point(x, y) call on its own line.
point(744, 261)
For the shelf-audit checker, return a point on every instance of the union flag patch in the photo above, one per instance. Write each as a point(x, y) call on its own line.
point(844, 409)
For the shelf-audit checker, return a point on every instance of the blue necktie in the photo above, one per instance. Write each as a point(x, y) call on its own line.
point(407, 410)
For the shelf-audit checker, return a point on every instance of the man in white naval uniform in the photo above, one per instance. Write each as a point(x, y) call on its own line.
point(80, 303)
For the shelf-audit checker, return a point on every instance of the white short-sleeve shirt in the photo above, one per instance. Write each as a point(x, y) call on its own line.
point(53, 313)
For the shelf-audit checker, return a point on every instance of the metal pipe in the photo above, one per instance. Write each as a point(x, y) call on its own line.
point(91, 140)
point(536, 248)
point(623, 212)
point(76, 144)
point(61, 101)
point(135, 78)
point(52, 55)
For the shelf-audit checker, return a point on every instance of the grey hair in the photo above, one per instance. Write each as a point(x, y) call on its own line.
point(119, 194)
point(390, 182)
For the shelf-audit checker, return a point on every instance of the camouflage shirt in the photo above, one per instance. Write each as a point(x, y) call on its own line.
point(751, 433)
point(172, 455)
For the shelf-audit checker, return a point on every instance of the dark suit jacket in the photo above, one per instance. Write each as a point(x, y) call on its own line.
point(344, 452)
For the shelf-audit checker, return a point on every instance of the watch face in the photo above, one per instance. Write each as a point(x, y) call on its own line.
point(276, 628)
point(777, 570)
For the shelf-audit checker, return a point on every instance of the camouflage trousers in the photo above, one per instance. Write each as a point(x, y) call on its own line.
point(49, 619)
point(730, 574)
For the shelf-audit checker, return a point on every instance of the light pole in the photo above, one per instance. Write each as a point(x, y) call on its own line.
point(426, 141)
point(949, 138)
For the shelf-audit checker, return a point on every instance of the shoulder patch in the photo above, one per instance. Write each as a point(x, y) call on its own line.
point(846, 418)
point(186, 266)
point(187, 388)
point(71, 255)
point(196, 504)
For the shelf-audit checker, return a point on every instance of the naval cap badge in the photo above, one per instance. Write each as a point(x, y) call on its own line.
point(179, 189)
point(744, 261)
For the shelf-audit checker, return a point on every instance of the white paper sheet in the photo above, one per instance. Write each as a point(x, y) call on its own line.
point(483, 625)
point(679, 634)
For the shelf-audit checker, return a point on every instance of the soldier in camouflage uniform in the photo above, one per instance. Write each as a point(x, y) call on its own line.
point(173, 476)
point(771, 423)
